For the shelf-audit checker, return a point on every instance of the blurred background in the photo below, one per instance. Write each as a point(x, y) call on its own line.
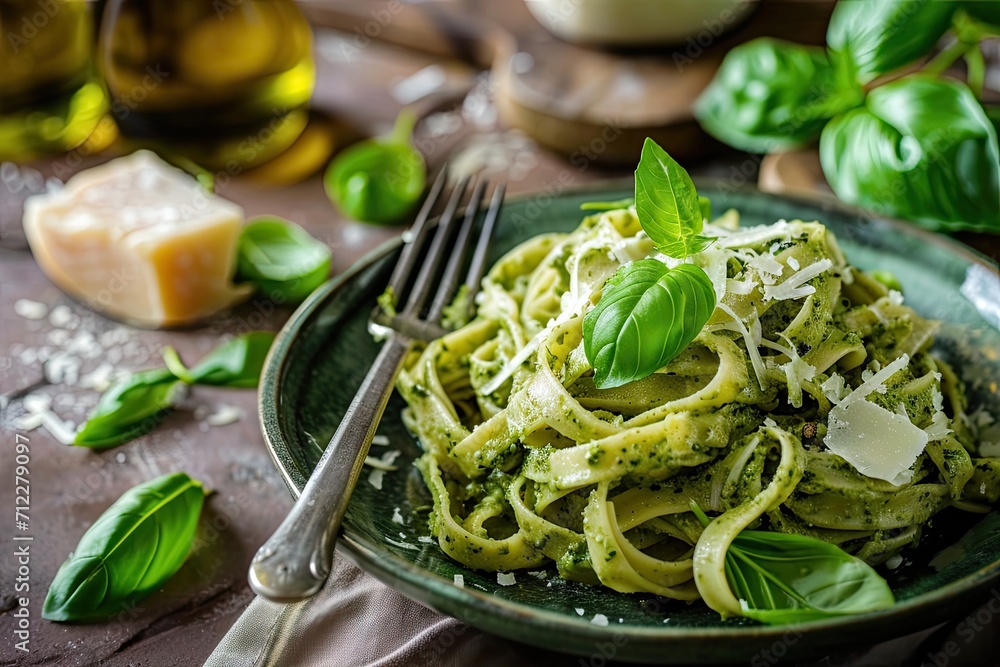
point(262, 99)
point(550, 93)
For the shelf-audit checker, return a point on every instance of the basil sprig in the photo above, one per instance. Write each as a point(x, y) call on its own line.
point(129, 552)
point(921, 148)
point(648, 313)
point(282, 259)
point(646, 316)
point(142, 401)
point(783, 578)
point(773, 95)
point(379, 180)
point(881, 36)
point(916, 147)
point(667, 204)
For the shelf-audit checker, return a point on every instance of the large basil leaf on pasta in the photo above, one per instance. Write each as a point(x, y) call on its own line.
point(771, 95)
point(879, 36)
point(646, 316)
point(921, 149)
point(130, 551)
point(785, 578)
point(667, 203)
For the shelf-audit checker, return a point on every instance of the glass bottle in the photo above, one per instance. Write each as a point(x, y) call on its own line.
point(224, 83)
point(50, 97)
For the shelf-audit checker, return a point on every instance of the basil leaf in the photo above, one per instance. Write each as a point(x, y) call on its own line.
point(282, 259)
point(646, 316)
point(237, 363)
point(921, 149)
point(772, 95)
point(987, 11)
point(130, 409)
point(607, 205)
point(705, 204)
point(880, 36)
point(379, 180)
point(666, 203)
point(783, 578)
point(130, 551)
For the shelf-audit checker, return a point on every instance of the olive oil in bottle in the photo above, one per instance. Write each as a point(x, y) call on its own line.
point(225, 83)
point(50, 98)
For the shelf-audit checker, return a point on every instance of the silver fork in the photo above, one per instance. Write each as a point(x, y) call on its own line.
point(294, 563)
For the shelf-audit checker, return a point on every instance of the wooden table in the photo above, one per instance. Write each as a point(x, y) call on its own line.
point(71, 487)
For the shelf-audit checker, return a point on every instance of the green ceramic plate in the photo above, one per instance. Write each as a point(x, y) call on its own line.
point(323, 352)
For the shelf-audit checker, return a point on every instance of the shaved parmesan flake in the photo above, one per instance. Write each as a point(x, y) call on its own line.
point(580, 611)
point(506, 578)
point(895, 297)
point(880, 444)
point(375, 478)
point(460, 580)
point(396, 516)
point(599, 619)
point(796, 287)
point(741, 287)
point(835, 388)
point(767, 266)
point(380, 440)
point(876, 381)
point(752, 351)
point(794, 263)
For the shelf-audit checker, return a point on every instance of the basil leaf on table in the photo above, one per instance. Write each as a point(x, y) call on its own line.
point(667, 204)
point(646, 316)
point(139, 404)
point(237, 363)
point(879, 36)
point(130, 409)
point(771, 95)
point(379, 180)
point(130, 551)
point(783, 578)
point(921, 149)
point(282, 259)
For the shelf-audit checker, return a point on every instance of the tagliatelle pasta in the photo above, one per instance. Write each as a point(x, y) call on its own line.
point(810, 403)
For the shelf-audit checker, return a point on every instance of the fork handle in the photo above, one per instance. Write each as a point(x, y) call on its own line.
point(294, 563)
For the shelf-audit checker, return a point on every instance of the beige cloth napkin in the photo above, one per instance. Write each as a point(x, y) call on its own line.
point(356, 621)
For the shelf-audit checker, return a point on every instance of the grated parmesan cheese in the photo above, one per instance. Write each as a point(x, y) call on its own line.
point(752, 351)
point(506, 578)
point(795, 286)
point(599, 619)
point(460, 580)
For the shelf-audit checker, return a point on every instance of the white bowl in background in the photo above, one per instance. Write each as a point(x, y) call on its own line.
point(639, 22)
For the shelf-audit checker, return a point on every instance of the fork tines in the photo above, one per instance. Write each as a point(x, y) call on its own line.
point(447, 240)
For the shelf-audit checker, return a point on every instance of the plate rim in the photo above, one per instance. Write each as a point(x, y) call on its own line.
point(392, 570)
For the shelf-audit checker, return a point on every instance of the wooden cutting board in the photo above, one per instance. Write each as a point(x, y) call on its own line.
point(592, 105)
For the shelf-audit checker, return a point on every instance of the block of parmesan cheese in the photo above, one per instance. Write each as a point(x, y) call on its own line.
point(140, 241)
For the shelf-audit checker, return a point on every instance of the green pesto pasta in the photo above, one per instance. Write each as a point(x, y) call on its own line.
point(810, 403)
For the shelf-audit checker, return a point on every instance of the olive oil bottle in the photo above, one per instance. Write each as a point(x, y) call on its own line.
point(222, 82)
point(50, 97)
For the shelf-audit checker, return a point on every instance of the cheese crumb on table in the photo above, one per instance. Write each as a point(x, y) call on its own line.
point(139, 240)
